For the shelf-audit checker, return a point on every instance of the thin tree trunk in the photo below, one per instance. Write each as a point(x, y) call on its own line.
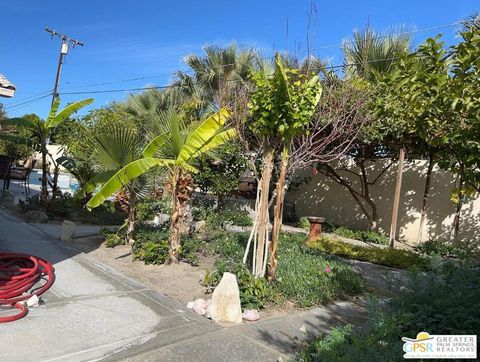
point(174, 237)
point(396, 199)
point(131, 215)
point(373, 219)
point(458, 210)
point(262, 230)
point(44, 190)
point(277, 217)
point(426, 192)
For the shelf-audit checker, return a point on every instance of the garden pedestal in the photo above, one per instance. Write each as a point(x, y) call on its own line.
point(315, 227)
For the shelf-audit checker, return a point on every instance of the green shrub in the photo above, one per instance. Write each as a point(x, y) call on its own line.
point(374, 237)
point(307, 278)
point(303, 223)
point(188, 251)
point(152, 252)
point(345, 232)
point(151, 244)
point(395, 258)
point(148, 208)
point(366, 236)
point(439, 302)
point(112, 240)
point(443, 249)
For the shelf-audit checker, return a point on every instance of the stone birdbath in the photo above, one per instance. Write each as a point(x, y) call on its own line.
point(315, 227)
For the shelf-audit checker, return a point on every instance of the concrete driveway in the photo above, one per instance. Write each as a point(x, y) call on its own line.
point(92, 312)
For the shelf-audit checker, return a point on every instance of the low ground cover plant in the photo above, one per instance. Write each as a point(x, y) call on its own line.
point(395, 258)
point(304, 277)
point(438, 248)
point(439, 302)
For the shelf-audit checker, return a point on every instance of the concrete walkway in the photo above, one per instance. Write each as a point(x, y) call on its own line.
point(92, 312)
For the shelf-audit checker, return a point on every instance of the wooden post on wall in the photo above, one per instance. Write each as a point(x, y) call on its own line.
point(396, 198)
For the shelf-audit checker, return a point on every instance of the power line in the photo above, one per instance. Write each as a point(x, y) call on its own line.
point(330, 67)
point(15, 102)
point(21, 105)
point(343, 44)
point(338, 45)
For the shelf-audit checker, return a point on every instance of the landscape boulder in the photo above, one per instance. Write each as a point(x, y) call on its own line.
point(36, 216)
point(225, 305)
point(68, 230)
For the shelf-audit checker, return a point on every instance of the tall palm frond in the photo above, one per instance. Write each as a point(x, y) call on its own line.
point(368, 53)
point(472, 22)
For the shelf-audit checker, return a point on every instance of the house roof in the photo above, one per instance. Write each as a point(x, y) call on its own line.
point(7, 89)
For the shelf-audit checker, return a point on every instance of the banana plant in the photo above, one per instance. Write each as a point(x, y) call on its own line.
point(42, 131)
point(175, 151)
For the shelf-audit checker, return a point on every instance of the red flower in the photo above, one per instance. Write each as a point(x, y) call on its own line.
point(328, 269)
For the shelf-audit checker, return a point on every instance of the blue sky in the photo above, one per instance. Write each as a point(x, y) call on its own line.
point(148, 38)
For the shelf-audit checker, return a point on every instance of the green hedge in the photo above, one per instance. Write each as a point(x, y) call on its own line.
point(395, 258)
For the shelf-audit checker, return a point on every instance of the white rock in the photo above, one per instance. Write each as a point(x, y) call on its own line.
point(200, 306)
point(208, 313)
point(251, 315)
point(226, 300)
point(68, 229)
point(190, 305)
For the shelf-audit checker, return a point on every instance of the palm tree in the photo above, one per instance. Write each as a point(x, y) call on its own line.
point(368, 53)
point(113, 148)
point(174, 150)
point(472, 22)
point(42, 131)
point(216, 73)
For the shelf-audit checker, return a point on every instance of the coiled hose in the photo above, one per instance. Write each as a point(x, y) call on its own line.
point(20, 275)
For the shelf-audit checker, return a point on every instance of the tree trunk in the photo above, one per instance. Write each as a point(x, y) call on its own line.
point(263, 221)
point(373, 217)
point(277, 217)
point(396, 199)
point(426, 192)
point(131, 215)
point(44, 189)
point(174, 237)
point(458, 210)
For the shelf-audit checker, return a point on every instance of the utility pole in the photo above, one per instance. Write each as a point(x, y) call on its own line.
point(66, 41)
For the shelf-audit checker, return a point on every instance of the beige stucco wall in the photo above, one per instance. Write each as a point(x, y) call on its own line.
point(322, 196)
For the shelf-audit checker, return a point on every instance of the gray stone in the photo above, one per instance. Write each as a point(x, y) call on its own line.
point(200, 226)
point(226, 300)
point(36, 216)
point(68, 230)
point(7, 199)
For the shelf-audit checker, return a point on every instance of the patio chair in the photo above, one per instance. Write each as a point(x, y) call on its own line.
point(22, 174)
point(5, 166)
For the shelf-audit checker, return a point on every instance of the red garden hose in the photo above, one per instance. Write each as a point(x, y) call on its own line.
point(19, 276)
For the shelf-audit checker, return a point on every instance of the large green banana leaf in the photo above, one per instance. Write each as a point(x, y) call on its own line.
point(97, 180)
point(155, 144)
point(202, 135)
point(124, 176)
point(54, 120)
point(218, 140)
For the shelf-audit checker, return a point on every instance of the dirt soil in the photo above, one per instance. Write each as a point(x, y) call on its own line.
point(179, 281)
